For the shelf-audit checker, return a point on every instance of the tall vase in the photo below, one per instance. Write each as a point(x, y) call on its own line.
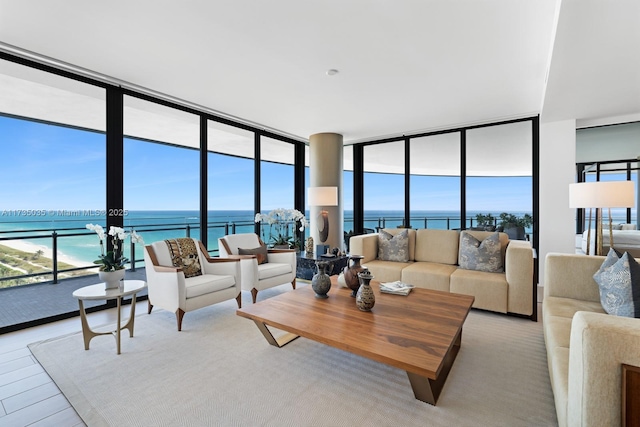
point(351, 273)
point(111, 279)
point(365, 298)
point(321, 282)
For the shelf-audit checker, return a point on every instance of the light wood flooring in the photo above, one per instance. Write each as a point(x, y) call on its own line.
point(28, 396)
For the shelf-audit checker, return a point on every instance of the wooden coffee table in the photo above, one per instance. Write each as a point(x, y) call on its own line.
point(419, 333)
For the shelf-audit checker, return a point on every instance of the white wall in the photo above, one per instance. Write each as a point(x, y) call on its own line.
point(557, 170)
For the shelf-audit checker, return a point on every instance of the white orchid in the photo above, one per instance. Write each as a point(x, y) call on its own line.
point(279, 221)
point(113, 260)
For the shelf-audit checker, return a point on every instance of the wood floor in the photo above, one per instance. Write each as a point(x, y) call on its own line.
point(28, 396)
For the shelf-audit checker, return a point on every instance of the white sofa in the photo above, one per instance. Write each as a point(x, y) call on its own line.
point(433, 264)
point(585, 346)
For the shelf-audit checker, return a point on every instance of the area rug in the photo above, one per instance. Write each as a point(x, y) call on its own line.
point(220, 371)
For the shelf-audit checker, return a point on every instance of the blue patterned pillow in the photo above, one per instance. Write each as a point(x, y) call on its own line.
point(393, 248)
point(619, 282)
point(480, 256)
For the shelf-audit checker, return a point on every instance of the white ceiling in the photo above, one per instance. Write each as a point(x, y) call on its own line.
point(404, 66)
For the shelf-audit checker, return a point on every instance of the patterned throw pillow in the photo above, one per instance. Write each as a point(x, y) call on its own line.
point(184, 254)
point(260, 252)
point(393, 248)
point(480, 256)
point(619, 282)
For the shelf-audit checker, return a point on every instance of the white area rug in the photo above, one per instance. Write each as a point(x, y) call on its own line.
point(220, 371)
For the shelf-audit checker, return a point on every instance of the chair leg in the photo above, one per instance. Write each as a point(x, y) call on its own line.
point(149, 306)
point(179, 316)
point(254, 294)
point(239, 300)
point(293, 283)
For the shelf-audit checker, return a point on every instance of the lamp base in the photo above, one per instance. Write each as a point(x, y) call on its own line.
point(321, 249)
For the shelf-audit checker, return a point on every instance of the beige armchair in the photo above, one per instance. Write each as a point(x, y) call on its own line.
point(181, 277)
point(279, 268)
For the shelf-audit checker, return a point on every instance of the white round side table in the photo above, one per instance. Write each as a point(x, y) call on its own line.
point(98, 292)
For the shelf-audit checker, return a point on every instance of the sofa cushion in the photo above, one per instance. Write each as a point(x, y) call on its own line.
point(489, 289)
point(393, 248)
point(619, 281)
point(481, 255)
point(273, 269)
point(428, 275)
point(260, 252)
point(386, 271)
point(437, 246)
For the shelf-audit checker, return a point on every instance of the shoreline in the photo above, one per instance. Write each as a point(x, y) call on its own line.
point(24, 246)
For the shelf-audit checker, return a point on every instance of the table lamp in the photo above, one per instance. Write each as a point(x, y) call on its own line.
point(601, 194)
point(323, 196)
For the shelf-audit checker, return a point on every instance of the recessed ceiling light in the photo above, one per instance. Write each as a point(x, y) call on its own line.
point(332, 72)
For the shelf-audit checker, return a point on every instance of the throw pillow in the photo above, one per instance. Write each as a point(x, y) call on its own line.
point(480, 256)
point(260, 252)
point(184, 254)
point(393, 248)
point(619, 281)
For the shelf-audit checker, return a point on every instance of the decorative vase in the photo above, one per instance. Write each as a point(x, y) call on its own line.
point(309, 245)
point(111, 279)
point(351, 273)
point(365, 298)
point(321, 282)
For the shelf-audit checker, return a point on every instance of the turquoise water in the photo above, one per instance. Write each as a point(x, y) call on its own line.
point(75, 241)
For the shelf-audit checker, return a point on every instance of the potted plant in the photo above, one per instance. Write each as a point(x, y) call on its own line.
point(515, 225)
point(112, 262)
point(279, 221)
point(485, 222)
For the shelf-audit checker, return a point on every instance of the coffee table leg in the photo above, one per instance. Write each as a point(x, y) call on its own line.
point(278, 342)
point(428, 390)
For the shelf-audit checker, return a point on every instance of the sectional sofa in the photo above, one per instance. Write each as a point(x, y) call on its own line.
point(585, 346)
point(433, 264)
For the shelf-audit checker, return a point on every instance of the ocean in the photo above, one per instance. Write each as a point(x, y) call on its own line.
point(78, 243)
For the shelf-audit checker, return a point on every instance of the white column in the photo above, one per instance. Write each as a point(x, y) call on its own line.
point(325, 170)
point(557, 222)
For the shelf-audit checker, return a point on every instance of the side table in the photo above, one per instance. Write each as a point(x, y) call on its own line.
point(98, 292)
point(306, 265)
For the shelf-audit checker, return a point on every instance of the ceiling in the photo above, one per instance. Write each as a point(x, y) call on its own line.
point(403, 66)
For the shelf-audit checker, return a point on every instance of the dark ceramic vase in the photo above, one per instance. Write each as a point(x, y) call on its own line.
point(351, 273)
point(321, 282)
point(365, 298)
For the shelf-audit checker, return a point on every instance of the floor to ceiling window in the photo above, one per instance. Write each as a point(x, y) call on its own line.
point(231, 183)
point(384, 185)
point(277, 181)
point(161, 171)
point(435, 181)
point(499, 172)
point(52, 146)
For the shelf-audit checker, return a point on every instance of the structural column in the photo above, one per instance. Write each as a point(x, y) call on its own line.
point(326, 170)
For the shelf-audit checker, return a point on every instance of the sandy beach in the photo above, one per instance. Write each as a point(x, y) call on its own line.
point(25, 246)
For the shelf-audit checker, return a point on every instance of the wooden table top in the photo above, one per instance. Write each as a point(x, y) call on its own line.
point(413, 332)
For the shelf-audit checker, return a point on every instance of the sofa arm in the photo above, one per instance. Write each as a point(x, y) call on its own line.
point(599, 345)
point(519, 275)
point(365, 245)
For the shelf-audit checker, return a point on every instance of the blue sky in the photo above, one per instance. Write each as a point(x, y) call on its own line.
point(51, 167)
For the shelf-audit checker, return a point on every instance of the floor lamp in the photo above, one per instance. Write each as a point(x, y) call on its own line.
point(598, 195)
point(323, 196)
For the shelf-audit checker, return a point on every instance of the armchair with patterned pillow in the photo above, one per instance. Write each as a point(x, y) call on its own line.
point(181, 277)
point(260, 268)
